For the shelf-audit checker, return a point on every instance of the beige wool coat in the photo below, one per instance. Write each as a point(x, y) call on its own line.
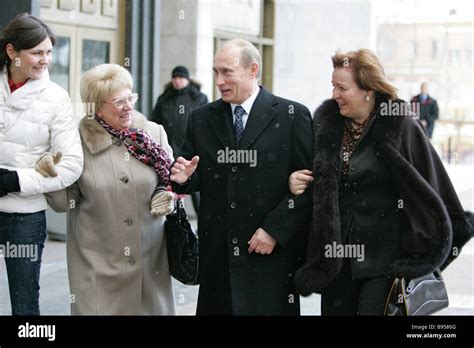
point(116, 250)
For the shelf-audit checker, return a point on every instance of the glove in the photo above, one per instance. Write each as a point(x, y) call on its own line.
point(162, 203)
point(9, 182)
point(47, 161)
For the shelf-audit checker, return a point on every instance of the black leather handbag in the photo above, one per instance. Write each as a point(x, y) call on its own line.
point(420, 296)
point(182, 244)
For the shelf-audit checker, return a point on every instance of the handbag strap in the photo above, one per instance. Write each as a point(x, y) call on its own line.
point(404, 294)
point(392, 294)
point(180, 211)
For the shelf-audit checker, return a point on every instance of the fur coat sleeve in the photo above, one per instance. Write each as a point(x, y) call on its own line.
point(419, 153)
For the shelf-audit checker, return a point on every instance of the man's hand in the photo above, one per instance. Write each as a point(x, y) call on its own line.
point(261, 242)
point(424, 123)
point(299, 181)
point(46, 164)
point(182, 169)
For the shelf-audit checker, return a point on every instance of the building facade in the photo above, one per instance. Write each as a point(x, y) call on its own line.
point(296, 39)
point(439, 52)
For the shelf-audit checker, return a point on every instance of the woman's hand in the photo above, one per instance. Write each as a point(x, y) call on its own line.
point(299, 181)
point(162, 203)
point(46, 164)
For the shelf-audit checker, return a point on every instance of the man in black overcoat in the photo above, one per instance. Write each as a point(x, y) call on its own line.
point(427, 107)
point(239, 153)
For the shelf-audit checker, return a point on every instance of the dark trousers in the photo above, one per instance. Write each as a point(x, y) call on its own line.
point(26, 232)
point(214, 302)
point(430, 129)
point(344, 296)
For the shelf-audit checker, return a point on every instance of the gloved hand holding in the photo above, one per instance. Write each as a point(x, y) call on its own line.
point(46, 164)
point(162, 203)
point(9, 182)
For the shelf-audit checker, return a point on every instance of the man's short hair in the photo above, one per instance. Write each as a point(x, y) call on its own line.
point(249, 54)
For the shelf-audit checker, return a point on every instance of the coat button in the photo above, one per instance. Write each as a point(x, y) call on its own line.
point(128, 222)
point(353, 167)
point(124, 179)
point(131, 260)
point(233, 205)
point(234, 169)
point(235, 240)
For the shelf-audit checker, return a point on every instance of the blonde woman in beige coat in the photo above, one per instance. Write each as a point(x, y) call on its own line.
point(116, 250)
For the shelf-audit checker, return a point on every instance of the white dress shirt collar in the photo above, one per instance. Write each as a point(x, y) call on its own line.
point(247, 105)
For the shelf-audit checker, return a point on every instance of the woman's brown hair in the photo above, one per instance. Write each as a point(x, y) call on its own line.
point(23, 32)
point(367, 71)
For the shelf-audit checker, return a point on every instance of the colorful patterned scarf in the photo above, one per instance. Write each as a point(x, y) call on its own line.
point(142, 146)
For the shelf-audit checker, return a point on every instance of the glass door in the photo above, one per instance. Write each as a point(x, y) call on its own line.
point(94, 52)
point(60, 70)
point(77, 50)
point(98, 46)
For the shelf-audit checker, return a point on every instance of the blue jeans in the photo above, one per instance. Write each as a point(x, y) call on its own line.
point(22, 238)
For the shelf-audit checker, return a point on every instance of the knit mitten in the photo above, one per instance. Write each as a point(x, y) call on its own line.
point(47, 161)
point(162, 203)
point(9, 182)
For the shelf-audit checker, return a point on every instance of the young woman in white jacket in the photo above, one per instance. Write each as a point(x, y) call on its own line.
point(36, 117)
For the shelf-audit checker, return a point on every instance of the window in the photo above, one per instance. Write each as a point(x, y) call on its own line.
point(264, 42)
point(387, 49)
point(434, 49)
point(451, 58)
point(458, 57)
point(77, 50)
point(94, 53)
point(414, 49)
point(61, 62)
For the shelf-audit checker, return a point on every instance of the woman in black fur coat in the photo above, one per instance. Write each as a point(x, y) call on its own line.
point(384, 205)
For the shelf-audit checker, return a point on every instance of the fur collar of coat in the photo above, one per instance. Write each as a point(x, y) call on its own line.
point(97, 139)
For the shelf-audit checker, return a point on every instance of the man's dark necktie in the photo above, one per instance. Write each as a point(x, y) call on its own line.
point(239, 124)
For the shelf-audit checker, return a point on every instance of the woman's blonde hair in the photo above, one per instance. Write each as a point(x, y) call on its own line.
point(98, 82)
point(367, 71)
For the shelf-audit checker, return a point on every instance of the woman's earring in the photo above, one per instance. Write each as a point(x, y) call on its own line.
point(367, 98)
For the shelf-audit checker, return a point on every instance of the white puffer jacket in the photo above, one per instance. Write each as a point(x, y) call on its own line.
point(34, 119)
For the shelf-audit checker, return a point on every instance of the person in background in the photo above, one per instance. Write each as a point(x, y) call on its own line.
point(384, 205)
point(36, 116)
point(428, 108)
point(181, 96)
point(116, 248)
